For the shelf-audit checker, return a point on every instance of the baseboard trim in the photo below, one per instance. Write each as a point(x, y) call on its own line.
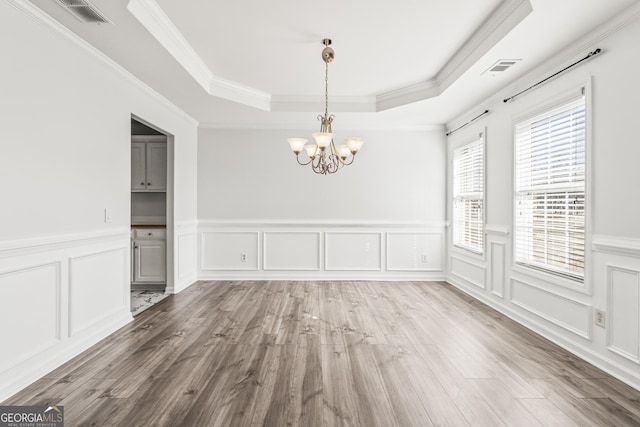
point(183, 284)
point(439, 277)
point(613, 368)
point(18, 377)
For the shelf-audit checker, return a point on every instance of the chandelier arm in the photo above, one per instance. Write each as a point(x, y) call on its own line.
point(316, 162)
point(353, 157)
point(303, 164)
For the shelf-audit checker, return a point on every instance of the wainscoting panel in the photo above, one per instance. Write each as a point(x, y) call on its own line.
point(469, 271)
point(414, 251)
point(187, 255)
point(98, 287)
point(353, 251)
point(291, 250)
point(29, 312)
point(224, 250)
point(60, 295)
point(314, 250)
point(564, 312)
point(623, 308)
point(496, 276)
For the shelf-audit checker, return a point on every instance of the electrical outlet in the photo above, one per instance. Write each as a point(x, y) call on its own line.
point(108, 214)
point(424, 258)
point(600, 318)
point(243, 257)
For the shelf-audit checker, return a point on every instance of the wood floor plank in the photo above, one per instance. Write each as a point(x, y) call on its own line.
point(468, 400)
point(340, 400)
point(503, 403)
point(546, 413)
point(400, 391)
point(374, 405)
point(352, 353)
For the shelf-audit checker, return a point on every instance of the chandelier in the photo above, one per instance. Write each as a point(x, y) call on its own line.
point(325, 157)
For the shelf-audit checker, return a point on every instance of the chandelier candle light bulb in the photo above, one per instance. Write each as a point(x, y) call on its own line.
point(324, 156)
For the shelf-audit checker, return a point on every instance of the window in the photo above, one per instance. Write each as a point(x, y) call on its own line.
point(550, 190)
point(468, 196)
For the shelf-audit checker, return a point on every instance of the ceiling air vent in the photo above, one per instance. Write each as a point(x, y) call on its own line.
point(501, 66)
point(84, 11)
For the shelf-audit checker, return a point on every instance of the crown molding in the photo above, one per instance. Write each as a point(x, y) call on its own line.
point(503, 19)
point(298, 126)
point(241, 94)
point(500, 22)
point(609, 28)
point(407, 95)
point(565, 55)
point(149, 14)
point(153, 18)
point(43, 19)
point(339, 104)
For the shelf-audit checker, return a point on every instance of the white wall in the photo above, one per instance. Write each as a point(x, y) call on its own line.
point(251, 191)
point(65, 157)
point(560, 309)
point(254, 175)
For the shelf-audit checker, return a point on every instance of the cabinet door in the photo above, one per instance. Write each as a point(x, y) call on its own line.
point(156, 166)
point(138, 158)
point(150, 261)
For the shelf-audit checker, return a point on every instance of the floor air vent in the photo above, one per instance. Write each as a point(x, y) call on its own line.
point(84, 11)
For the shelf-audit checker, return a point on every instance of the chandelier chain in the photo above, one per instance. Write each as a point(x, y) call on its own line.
point(326, 89)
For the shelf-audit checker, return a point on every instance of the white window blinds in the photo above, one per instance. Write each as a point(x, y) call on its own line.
point(550, 190)
point(468, 196)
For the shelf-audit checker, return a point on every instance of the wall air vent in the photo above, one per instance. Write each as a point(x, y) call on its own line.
point(84, 11)
point(501, 66)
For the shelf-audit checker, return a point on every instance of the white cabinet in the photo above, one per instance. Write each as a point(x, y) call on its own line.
point(149, 263)
point(148, 163)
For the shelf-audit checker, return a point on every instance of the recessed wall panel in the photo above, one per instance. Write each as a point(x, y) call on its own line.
point(29, 312)
point(186, 255)
point(623, 312)
point(414, 251)
point(98, 285)
point(292, 251)
point(562, 311)
point(496, 281)
point(229, 250)
point(353, 251)
point(469, 271)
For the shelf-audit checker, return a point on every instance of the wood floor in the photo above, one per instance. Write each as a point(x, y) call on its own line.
point(330, 353)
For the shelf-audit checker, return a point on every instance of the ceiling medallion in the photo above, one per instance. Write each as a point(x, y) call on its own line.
point(322, 160)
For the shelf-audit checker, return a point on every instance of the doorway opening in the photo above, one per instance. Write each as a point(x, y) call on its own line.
point(151, 215)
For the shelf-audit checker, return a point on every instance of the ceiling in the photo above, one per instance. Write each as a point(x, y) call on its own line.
point(405, 64)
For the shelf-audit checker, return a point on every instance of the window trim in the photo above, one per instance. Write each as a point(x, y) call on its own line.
point(584, 285)
point(463, 249)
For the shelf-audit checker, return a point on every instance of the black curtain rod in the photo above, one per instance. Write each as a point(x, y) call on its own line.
point(593, 53)
point(468, 123)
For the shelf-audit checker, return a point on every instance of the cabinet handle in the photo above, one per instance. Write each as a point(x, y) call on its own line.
point(142, 183)
point(150, 234)
point(135, 247)
point(148, 183)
